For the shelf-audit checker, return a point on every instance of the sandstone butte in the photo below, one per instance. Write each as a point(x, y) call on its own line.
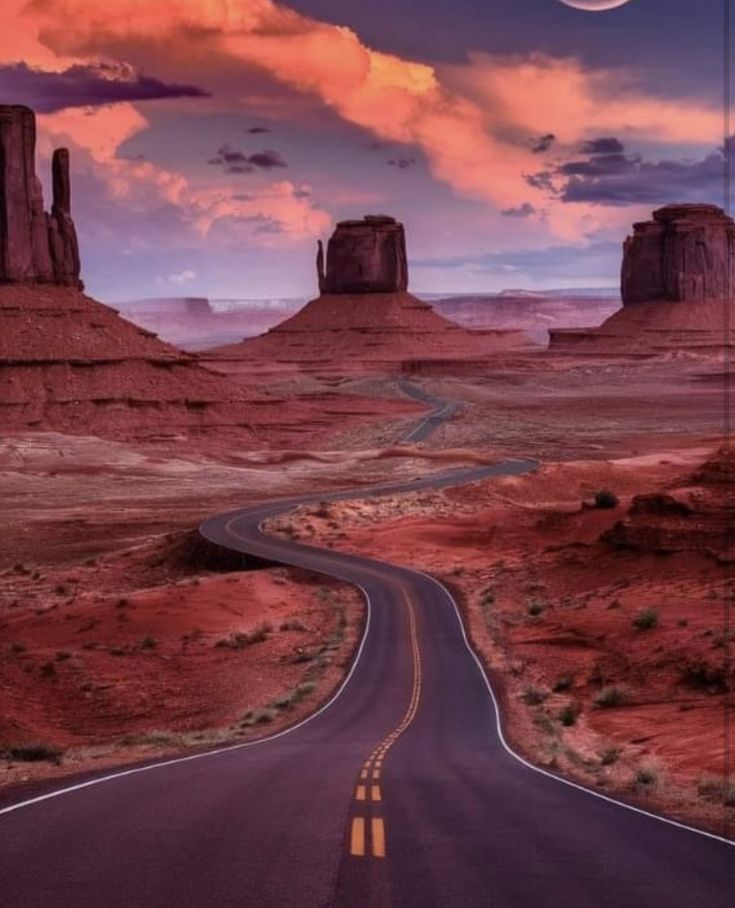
point(677, 284)
point(67, 362)
point(365, 316)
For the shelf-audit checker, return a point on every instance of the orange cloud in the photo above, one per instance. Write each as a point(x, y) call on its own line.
point(96, 136)
point(472, 121)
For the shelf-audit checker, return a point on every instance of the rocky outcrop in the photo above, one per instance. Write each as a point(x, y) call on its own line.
point(35, 246)
point(367, 256)
point(678, 271)
point(686, 254)
point(696, 515)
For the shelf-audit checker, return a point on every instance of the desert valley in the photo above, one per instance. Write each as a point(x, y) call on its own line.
point(593, 586)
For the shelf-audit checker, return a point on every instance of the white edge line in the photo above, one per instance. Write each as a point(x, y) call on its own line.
point(545, 772)
point(220, 750)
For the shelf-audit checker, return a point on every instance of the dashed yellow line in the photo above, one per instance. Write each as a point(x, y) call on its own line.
point(357, 837)
point(378, 837)
point(374, 765)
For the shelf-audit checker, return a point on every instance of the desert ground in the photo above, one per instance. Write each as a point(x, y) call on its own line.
point(601, 626)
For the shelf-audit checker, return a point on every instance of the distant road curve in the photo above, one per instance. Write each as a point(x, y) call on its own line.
point(441, 412)
point(399, 792)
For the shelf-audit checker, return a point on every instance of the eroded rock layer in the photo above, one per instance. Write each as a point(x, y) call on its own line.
point(71, 364)
point(344, 333)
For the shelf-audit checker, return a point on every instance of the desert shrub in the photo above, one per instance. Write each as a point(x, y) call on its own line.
point(610, 755)
point(60, 589)
point(646, 777)
point(532, 696)
point(606, 500)
point(293, 624)
point(18, 648)
point(239, 640)
point(569, 714)
point(258, 717)
point(536, 608)
point(610, 697)
point(646, 619)
point(48, 670)
point(717, 789)
point(562, 684)
point(702, 675)
point(148, 642)
point(62, 655)
point(33, 753)
point(305, 688)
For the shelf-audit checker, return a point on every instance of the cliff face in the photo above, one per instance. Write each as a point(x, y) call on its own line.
point(685, 254)
point(367, 256)
point(35, 246)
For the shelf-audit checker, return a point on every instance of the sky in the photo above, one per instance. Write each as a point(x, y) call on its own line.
point(213, 142)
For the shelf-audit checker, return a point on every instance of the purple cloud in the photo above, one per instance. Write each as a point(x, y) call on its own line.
point(83, 86)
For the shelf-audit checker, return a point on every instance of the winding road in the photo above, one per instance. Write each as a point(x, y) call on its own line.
point(401, 791)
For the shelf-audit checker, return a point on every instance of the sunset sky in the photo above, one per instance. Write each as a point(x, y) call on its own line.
point(213, 141)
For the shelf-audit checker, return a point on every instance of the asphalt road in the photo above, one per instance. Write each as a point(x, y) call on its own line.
point(441, 411)
point(401, 792)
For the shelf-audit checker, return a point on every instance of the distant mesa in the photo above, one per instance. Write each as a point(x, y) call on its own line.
point(367, 256)
point(35, 246)
point(364, 317)
point(677, 278)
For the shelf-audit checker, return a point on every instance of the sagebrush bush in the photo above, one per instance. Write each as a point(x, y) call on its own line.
point(606, 500)
point(646, 620)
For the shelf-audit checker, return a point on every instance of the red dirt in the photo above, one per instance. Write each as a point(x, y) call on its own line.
point(552, 605)
point(107, 673)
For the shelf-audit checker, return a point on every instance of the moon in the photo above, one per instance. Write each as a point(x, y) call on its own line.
point(595, 6)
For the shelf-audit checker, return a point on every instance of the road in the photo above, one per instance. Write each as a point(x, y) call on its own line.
point(399, 792)
point(442, 410)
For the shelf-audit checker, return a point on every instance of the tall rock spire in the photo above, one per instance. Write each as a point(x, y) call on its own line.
point(35, 247)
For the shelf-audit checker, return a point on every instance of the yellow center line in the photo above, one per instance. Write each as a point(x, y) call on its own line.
point(373, 766)
point(357, 838)
point(378, 836)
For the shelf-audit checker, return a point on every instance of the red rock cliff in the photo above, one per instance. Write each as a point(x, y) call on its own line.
point(35, 246)
point(685, 254)
point(367, 256)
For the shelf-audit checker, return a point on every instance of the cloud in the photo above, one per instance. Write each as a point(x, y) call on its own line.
point(402, 163)
point(607, 145)
point(125, 192)
point(621, 179)
point(477, 123)
point(84, 85)
point(543, 143)
point(182, 277)
point(522, 211)
point(236, 161)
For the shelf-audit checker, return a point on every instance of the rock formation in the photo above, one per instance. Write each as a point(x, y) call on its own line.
point(364, 317)
point(367, 256)
point(677, 280)
point(35, 246)
point(686, 254)
point(69, 363)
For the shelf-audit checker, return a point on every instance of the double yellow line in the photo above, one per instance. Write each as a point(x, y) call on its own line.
point(368, 790)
